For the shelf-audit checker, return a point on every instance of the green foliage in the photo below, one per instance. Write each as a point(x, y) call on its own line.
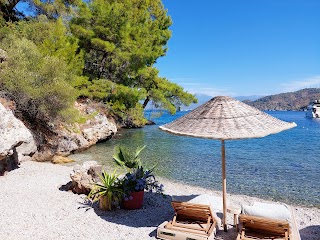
point(126, 157)
point(2, 21)
point(54, 9)
point(162, 92)
point(136, 116)
point(38, 84)
point(122, 36)
point(123, 101)
point(115, 42)
point(110, 187)
point(124, 96)
point(137, 177)
point(52, 38)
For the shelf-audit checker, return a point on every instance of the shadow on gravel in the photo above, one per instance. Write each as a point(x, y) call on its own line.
point(155, 210)
point(310, 232)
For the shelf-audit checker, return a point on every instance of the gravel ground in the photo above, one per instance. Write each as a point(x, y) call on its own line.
point(33, 207)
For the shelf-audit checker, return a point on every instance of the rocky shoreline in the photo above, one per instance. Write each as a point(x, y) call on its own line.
point(32, 206)
point(18, 143)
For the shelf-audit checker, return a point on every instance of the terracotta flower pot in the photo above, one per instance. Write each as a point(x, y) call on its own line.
point(135, 201)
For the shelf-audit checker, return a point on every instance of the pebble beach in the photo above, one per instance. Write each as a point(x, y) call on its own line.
point(32, 206)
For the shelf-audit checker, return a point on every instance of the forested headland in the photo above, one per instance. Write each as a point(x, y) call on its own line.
point(56, 52)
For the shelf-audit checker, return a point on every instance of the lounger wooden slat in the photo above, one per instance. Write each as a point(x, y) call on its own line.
point(266, 228)
point(185, 211)
point(190, 218)
point(190, 230)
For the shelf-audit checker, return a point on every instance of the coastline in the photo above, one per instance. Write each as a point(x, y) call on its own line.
point(32, 206)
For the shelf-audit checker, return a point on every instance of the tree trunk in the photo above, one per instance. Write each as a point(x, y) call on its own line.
point(146, 102)
point(103, 62)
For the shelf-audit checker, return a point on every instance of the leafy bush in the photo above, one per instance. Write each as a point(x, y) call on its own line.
point(123, 101)
point(52, 39)
point(39, 84)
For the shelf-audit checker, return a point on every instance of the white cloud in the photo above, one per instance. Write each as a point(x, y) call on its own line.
point(212, 91)
point(193, 86)
point(313, 82)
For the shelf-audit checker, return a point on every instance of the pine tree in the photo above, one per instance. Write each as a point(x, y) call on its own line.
point(121, 37)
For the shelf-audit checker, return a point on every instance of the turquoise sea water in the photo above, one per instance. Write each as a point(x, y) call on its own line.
point(283, 167)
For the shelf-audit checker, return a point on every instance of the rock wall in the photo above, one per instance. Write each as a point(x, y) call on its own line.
point(16, 141)
point(97, 128)
point(77, 137)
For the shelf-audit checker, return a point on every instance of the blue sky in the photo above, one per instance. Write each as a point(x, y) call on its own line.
point(242, 48)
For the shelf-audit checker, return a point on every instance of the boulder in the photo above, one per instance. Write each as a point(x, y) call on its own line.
point(69, 142)
point(15, 137)
point(26, 150)
point(83, 177)
point(98, 127)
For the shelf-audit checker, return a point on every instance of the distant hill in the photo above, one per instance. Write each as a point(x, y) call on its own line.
point(250, 98)
point(202, 98)
point(286, 101)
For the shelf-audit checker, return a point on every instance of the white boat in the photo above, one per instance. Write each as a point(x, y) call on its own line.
point(313, 110)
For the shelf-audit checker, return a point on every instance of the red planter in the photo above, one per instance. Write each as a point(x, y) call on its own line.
point(135, 202)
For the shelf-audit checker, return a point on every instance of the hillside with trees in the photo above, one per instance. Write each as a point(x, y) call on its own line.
point(298, 100)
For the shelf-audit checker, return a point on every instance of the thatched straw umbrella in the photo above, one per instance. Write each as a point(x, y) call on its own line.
point(224, 118)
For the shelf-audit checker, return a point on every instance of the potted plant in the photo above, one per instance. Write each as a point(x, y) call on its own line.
point(137, 179)
point(134, 183)
point(108, 192)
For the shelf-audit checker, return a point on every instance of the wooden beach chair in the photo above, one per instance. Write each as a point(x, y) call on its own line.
point(268, 223)
point(190, 221)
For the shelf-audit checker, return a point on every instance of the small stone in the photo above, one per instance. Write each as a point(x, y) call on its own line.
point(61, 159)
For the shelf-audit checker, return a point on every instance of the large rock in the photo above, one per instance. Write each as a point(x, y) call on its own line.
point(83, 177)
point(14, 138)
point(97, 128)
point(62, 140)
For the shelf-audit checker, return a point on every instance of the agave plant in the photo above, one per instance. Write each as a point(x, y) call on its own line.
point(128, 158)
point(137, 177)
point(110, 189)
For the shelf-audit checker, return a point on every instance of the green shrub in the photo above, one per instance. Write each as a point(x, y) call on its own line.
point(39, 84)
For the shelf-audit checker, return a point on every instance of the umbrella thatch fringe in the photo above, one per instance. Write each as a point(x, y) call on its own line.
point(225, 118)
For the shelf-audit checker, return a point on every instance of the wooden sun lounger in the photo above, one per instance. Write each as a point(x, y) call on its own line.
point(266, 228)
point(191, 221)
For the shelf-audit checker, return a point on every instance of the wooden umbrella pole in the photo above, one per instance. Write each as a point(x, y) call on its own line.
point(224, 185)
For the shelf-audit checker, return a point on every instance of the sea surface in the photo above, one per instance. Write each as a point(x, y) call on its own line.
point(281, 167)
